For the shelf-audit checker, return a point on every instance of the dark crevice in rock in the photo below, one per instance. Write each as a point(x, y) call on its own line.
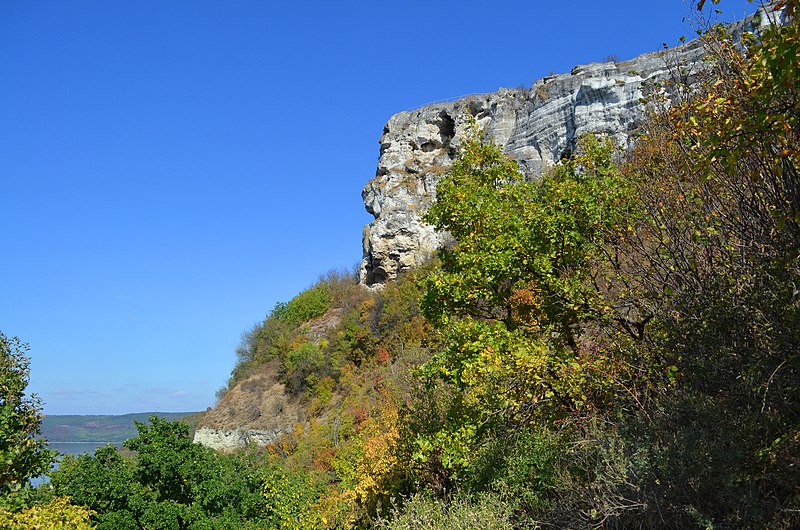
point(427, 147)
point(447, 128)
point(375, 276)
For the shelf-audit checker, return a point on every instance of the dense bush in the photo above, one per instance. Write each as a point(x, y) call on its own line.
point(303, 365)
point(56, 514)
point(309, 304)
point(420, 511)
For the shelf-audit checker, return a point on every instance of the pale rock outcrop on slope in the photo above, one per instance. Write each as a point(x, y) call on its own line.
point(256, 411)
point(537, 127)
point(222, 439)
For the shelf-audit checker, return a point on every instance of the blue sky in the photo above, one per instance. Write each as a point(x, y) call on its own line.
point(171, 170)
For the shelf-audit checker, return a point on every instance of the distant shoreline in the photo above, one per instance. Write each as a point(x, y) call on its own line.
point(104, 428)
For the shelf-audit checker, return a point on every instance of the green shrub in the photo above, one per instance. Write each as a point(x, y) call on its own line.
point(301, 363)
point(518, 467)
point(290, 498)
point(420, 511)
point(309, 304)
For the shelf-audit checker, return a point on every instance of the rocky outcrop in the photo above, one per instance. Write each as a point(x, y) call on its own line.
point(222, 439)
point(256, 411)
point(537, 127)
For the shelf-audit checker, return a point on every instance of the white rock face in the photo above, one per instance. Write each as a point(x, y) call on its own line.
point(235, 438)
point(536, 127)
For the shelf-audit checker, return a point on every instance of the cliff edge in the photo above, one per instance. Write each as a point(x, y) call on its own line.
point(537, 127)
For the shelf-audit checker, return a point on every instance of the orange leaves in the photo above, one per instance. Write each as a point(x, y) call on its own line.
point(526, 305)
point(383, 355)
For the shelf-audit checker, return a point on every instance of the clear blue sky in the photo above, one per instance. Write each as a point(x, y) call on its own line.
point(171, 170)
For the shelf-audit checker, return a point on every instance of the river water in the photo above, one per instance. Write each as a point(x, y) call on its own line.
point(78, 448)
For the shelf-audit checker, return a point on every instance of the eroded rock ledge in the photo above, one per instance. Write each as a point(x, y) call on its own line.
point(222, 439)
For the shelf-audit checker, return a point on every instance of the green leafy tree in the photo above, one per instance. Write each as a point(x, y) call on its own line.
point(22, 455)
point(170, 483)
point(167, 461)
point(104, 482)
point(517, 295)
point(524, 248)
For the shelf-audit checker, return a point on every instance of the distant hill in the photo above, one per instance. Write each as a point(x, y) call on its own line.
point(112, 429)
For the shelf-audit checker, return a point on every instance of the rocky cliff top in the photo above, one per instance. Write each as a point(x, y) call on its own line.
point(537, 127)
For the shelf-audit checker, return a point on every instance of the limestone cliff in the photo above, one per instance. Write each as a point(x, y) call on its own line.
point(537, 127)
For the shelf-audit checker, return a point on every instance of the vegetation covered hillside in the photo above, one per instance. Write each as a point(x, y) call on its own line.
point(611, 346)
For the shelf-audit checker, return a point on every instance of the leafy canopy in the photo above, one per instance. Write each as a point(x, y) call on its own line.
point(22, 455)
point(516, 291)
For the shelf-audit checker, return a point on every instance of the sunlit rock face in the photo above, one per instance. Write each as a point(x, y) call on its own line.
point(226, 439)
point(537, 127)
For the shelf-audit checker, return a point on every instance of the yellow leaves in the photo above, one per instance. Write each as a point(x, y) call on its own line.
point(366, 309)
point(57, 514)
point(379, 462)
point(367, 464)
